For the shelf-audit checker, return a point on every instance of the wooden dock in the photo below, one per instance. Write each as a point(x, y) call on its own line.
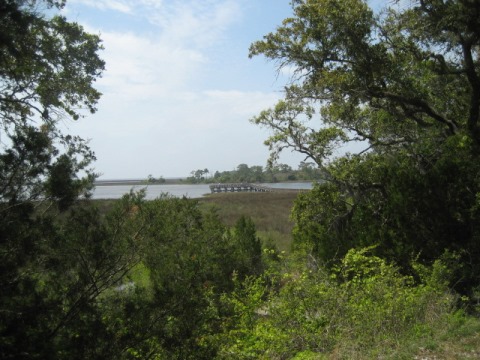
point(238, 187)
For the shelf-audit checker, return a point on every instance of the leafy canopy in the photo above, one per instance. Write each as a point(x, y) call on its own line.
point(400, 90)
point(388, 79)
point(47, 69)
point(54, 264)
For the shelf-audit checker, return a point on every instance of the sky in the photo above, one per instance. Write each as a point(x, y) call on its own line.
point(179, 88)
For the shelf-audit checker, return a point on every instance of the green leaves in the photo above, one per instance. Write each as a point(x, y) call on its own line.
point(365, 308)
point(403, 87)
point(54, 266)
point(47, 70)
point(376, 77)
point(55, 66)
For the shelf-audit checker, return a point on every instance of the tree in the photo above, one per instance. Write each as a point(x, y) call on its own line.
point(189, 260)
point(54, 263)
point(308, 171)
point(257, 174)
point(48, 66)
point(381, 79)
point(153, 180)
point(404, 84)
point(198, 176)
point(243, 173)
point(248, 248)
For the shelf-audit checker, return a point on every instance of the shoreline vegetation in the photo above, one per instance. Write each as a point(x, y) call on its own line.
point(243, 173)
point(173, 181)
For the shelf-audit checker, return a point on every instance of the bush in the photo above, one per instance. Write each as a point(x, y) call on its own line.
point(365, 306)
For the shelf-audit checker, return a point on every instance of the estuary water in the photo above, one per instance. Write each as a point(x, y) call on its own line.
point(188, 190)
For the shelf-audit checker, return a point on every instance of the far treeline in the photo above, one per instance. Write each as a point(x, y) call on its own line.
point(385, 258)
point(307, 171)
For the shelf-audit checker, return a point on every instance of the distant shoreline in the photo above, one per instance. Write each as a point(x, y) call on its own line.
point(138, 182)
point(168, 181)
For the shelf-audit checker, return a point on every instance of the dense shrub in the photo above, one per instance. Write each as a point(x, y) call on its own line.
point(364, 308)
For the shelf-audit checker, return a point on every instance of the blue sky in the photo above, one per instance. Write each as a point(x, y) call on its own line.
point(179, 88)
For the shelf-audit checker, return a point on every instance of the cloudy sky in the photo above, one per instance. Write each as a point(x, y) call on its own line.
point(179, 88)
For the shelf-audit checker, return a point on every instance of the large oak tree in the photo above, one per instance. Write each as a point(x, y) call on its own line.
point(403, 86)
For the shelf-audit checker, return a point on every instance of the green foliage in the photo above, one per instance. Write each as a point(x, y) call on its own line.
point(404, 86)
point(48, 64)
point(165, 280)
point(249, 247)
point(409, 206)
point(47, 68)
point(145, 279)
point(238, 339)
point(55, 263)
point(255, 174)
point(55, 273)
point(189, 259)
point(198, 176)
point(364, 309)
point(152, 180)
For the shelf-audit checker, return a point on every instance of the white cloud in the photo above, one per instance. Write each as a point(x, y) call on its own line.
point(170, 56)
point(222, 111)
point(192, 22)
point(141, 67)
point(123, 6)
point(241, 104)
point(196, 23)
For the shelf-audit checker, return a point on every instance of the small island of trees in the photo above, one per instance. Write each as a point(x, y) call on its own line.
point(307, 171)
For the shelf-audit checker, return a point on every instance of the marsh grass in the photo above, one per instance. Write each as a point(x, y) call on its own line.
point(269, 211)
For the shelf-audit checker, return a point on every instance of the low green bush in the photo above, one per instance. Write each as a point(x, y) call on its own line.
point(364, 308)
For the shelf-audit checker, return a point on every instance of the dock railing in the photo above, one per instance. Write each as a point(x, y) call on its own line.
point(238, 187)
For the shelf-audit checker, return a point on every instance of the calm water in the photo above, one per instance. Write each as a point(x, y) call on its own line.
point(188, 190)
